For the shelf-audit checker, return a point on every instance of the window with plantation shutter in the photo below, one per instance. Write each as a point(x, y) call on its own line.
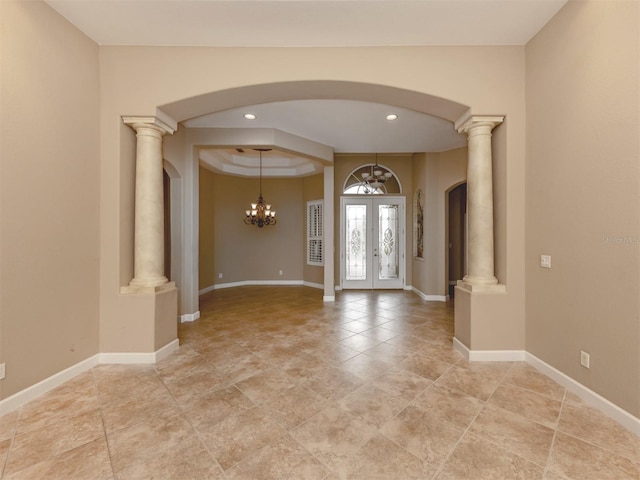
point(314, 232)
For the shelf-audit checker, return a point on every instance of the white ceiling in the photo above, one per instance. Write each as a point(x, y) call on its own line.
point(346, 126)
point(287, 23)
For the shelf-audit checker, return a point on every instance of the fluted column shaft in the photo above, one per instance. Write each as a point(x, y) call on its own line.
point(149, 203)
point(480, 253)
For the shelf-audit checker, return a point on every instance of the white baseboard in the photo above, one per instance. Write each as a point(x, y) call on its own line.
point(34, 391)
point(313, 285)
point(189, 317)
point(254, 282)
point(610, 409)
point(489, 355)
point(624, 418)
point(428, 298)
point(18, 399)
point(329, 298)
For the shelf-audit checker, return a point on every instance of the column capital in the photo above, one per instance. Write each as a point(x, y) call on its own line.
point(148, 122)
point(475, 121)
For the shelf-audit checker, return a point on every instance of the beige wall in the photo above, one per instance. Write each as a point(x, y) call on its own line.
point(248, 253)
point(49, 243)
point(435, 173)
point(442, 171)
point(583, 196)
point(207, 274)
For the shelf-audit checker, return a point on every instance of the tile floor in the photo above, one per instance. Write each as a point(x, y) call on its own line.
point(270, 383)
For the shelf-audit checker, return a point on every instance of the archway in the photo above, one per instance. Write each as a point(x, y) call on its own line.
point(276, 92)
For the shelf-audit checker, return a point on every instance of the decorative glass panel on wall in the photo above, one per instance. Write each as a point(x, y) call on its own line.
point(388, 252)
point(356, 242)
point(314, 232)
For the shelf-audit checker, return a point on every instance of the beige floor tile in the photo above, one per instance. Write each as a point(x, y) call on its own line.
point(333, 436)
point(283, 460)
point(425, 366)
point(382, 459)
point(371, 405)
point(388, 353)
point(365, 366)
point(327, 380)
point(210, 408)
point(361, 342)
point(591, 425)
point(187, 460)
point(303, 367)
point(452, 405)
point(186, 361)
point(240, 435)
point(575, 459)
point(122, 415)
point(525, 376)
point(86, 462)
point(198, 383)
point(294, 405)
point(477, 459)
point(8, 424)
point(333, 383)
point(147, 438)
point(424, 434)
point(44, 443)
point(401, 383)
point(540, 409)
point(480, 383)
point(515, 433)
point(266, 385)
point(63, 402)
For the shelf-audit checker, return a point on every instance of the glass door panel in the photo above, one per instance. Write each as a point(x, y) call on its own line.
point(356, 242)
point(387, 249)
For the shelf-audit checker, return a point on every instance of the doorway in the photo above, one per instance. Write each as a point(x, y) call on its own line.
point(372, 240)
point(457, 235)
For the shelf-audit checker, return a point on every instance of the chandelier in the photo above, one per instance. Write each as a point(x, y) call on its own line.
point(374, 180)
point(260, 213)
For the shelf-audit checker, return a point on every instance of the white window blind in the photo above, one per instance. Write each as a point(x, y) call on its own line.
point(314, 232)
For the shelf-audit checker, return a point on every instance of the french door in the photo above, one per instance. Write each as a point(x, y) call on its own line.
point(372, 239)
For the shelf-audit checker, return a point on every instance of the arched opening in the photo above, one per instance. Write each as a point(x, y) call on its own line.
point(456, 232)
point(277, 92)
point(372, 179)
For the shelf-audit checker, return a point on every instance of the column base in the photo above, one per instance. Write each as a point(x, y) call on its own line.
point(148, 282)
point(481, 287)
point(134, 289)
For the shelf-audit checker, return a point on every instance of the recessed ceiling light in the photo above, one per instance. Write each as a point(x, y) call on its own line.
point(392, 116)
point(249, 116)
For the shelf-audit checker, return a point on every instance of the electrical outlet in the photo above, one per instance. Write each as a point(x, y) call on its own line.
point(585, 359)
point(219, 275)
point(2, 370)
point(280, 272)
point(545, 261)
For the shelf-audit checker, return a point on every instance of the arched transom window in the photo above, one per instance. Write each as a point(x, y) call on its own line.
point(372, 179)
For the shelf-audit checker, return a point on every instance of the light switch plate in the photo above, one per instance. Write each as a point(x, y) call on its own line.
point(545, 261)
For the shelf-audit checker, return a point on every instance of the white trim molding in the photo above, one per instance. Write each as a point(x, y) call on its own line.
point(18, 399)
point(244, 283)
point(189, 317)
point(428, 298)
point(624, 418)
point(34, 391)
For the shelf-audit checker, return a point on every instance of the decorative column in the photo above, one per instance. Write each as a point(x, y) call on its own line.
point(480, 268)
point(149, 205)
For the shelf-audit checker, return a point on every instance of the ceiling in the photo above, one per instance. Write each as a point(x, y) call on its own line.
point(346, 126)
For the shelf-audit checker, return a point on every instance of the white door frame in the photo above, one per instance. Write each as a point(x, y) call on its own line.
point(372, 281)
